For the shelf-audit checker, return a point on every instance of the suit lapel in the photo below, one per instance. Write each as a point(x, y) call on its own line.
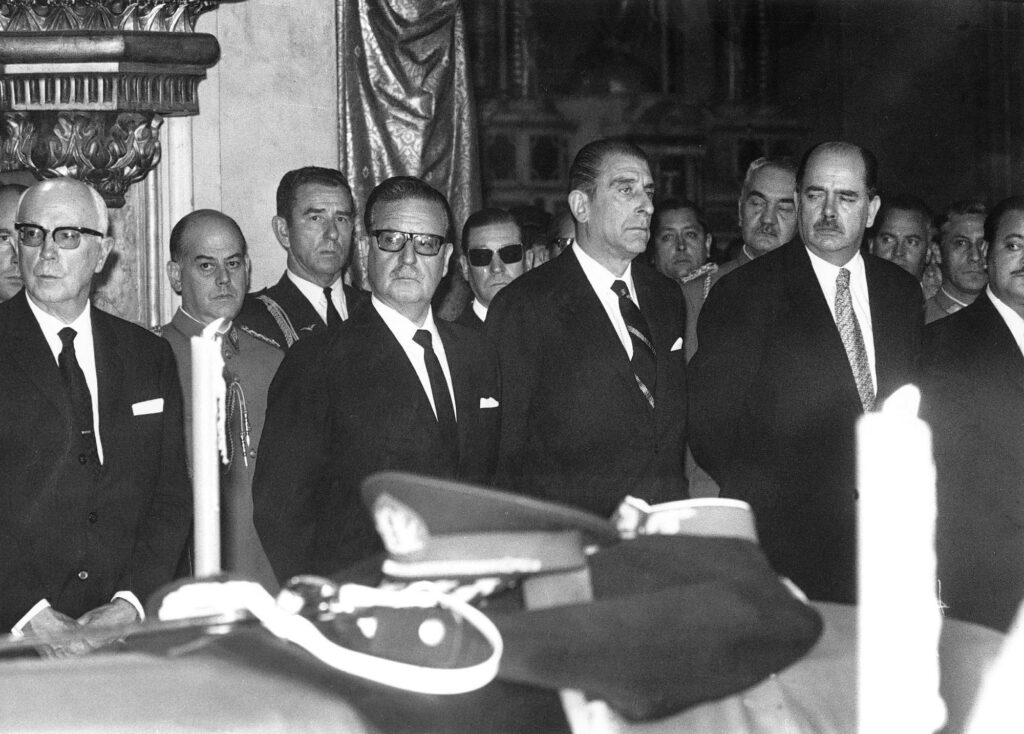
point(995, 346)
point(299, 309)
point(31, 352)
point(656, 312)
point(109, 379)
point(813, 317)
point(466, 399)
point(581, 305)
point(884, 328)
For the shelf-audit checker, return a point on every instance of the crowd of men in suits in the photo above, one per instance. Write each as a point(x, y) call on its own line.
point(566, 377)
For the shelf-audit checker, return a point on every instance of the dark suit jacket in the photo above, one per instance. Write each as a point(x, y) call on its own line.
point(299, 311)
point(469, 318)
point(347, 403)
point(973, 381)
point(773, 405)
point(575, 427)
point(65, 536)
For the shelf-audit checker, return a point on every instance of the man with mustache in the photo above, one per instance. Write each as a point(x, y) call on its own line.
point(314, 224)
point(794, 347)
point(961, 250)
point(390, 388)
point(209, 269)
point(97, 504)
point(767, 220)
point(973, 386)
point(590, 350)
point(10, 274)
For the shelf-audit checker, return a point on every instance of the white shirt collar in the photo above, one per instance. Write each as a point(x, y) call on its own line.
point(315, 295)
point(51, 326)
point(224, 327)
point(601, 278)
point(479, 309)
point(404, 329)
point(1014, 321)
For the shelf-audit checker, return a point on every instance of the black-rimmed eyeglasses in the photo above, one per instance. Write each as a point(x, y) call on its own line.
point(66, 238)
point(391, 240)
point(481, 257)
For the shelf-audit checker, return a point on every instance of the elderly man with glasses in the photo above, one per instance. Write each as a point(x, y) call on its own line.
point(390, 388)
point(493, 256)
point(97, 503)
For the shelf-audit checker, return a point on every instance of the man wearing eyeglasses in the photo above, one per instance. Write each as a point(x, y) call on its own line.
point(391, 388)
point(494, 256)
point(10, 273)
point(96, 498)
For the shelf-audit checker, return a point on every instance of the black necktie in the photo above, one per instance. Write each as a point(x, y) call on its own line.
point(645, 368)
point(439, 388)
point(78, 393)
point(333, 317)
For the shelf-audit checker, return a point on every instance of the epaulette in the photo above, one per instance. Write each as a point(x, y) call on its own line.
point(261, 337)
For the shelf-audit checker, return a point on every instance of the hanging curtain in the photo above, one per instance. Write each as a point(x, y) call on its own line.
point(404, 98)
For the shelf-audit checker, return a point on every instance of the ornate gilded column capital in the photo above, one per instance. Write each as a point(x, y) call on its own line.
point(85, 85)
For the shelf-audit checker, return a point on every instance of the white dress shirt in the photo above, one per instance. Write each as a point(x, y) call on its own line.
point(85, 353)
point(479, 309)
point(827, 273)
point(315, 295)
point(601, 281)
point(404, 331)
point(1014, 321)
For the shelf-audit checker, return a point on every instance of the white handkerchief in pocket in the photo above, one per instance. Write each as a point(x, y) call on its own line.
point(488, 403)
point(677, 345)
point(148, 407)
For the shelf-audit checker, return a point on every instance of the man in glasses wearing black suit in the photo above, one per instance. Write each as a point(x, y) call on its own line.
point(493, 256)
point(390, 388)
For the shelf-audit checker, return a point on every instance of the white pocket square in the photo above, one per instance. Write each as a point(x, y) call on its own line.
point(148, 407)
point(488, 403)
point(677, 345)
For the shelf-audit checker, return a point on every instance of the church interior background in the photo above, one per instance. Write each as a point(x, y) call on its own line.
point(934, 87)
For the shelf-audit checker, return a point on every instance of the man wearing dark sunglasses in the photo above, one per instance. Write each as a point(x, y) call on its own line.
point(97, 501)
point(390, 388)
point(493, 256)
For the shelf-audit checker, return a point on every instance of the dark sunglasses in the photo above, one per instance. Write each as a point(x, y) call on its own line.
point(481, 256)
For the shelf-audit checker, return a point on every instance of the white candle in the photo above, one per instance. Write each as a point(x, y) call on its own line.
point(898, 613)
point(207, 395)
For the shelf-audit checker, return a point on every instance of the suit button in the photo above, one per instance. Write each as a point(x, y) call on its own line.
point(93, 517)
point(83, 575)
point(83, 459)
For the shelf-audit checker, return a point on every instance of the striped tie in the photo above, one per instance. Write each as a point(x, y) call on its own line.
point(644, 365)
point(853, 340)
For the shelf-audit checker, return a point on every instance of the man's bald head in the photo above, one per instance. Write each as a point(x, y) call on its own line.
point(202, 223)
point(209, 265)
point(58, 277)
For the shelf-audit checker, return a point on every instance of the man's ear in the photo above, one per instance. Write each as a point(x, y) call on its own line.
point(579, 205)
point(446, 253)
point(106, 245)
point(280, 227)
point(174, 275)
point(873, 207)
point(464, 266)
point(248, 272)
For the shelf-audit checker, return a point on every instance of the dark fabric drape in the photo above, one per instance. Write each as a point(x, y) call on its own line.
point(404, 98)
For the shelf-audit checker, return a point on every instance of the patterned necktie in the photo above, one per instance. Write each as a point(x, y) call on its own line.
point(853, 340)
point(333, 317)
point(645, 368)
point(439, 389)
point(78, 394)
